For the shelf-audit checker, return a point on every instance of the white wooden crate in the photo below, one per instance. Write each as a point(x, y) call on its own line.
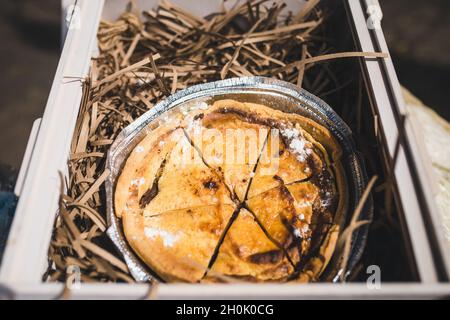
point(25, 257)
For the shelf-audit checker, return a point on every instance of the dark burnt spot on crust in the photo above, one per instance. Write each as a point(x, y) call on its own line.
point(325, 182)
point(153, 191)
point(148, 196)
point(268, 235)
point(322, 222)
point(286, 195)
point(288, 198)
point(210, 184)
point(291, 239)
point(199, 116)
point(250, 117)
point(293, 242)
point(279, 179)
point(323, 179)
point(269, 257)
point(321, 258)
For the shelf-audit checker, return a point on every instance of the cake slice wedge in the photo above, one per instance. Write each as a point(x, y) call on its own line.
point(229, 143)
point(178, 244)
point(285, 213)
point(182, 181)
point(248, 254)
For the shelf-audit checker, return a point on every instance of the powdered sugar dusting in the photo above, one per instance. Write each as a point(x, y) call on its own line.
point(169, 239)
point(290, 133)
point(194, 126)
point(298, 147)
point(296, 143)
point(137, 182)
point(326, 198)
point(326, 202)
point(301, 232)
point(297, 233)
point(139, 149)
point(304, 204)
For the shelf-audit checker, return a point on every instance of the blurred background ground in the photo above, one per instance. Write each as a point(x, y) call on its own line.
point(417, 33)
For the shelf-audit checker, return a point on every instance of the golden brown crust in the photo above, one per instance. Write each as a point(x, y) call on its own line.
point(247, 253)
point(139, 155)
point(286, 212)
point(236, 164)
point(270, 171)
point(178, 184)
point(186, 182)
point(178, 244)
point(318, 132)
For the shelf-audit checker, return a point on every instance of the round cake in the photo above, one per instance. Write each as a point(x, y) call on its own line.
point(233, 191)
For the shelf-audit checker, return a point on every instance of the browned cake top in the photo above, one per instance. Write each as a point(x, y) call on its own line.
point(233, 191)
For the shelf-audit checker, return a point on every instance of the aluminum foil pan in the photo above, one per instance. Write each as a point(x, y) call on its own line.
point(270, 92)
